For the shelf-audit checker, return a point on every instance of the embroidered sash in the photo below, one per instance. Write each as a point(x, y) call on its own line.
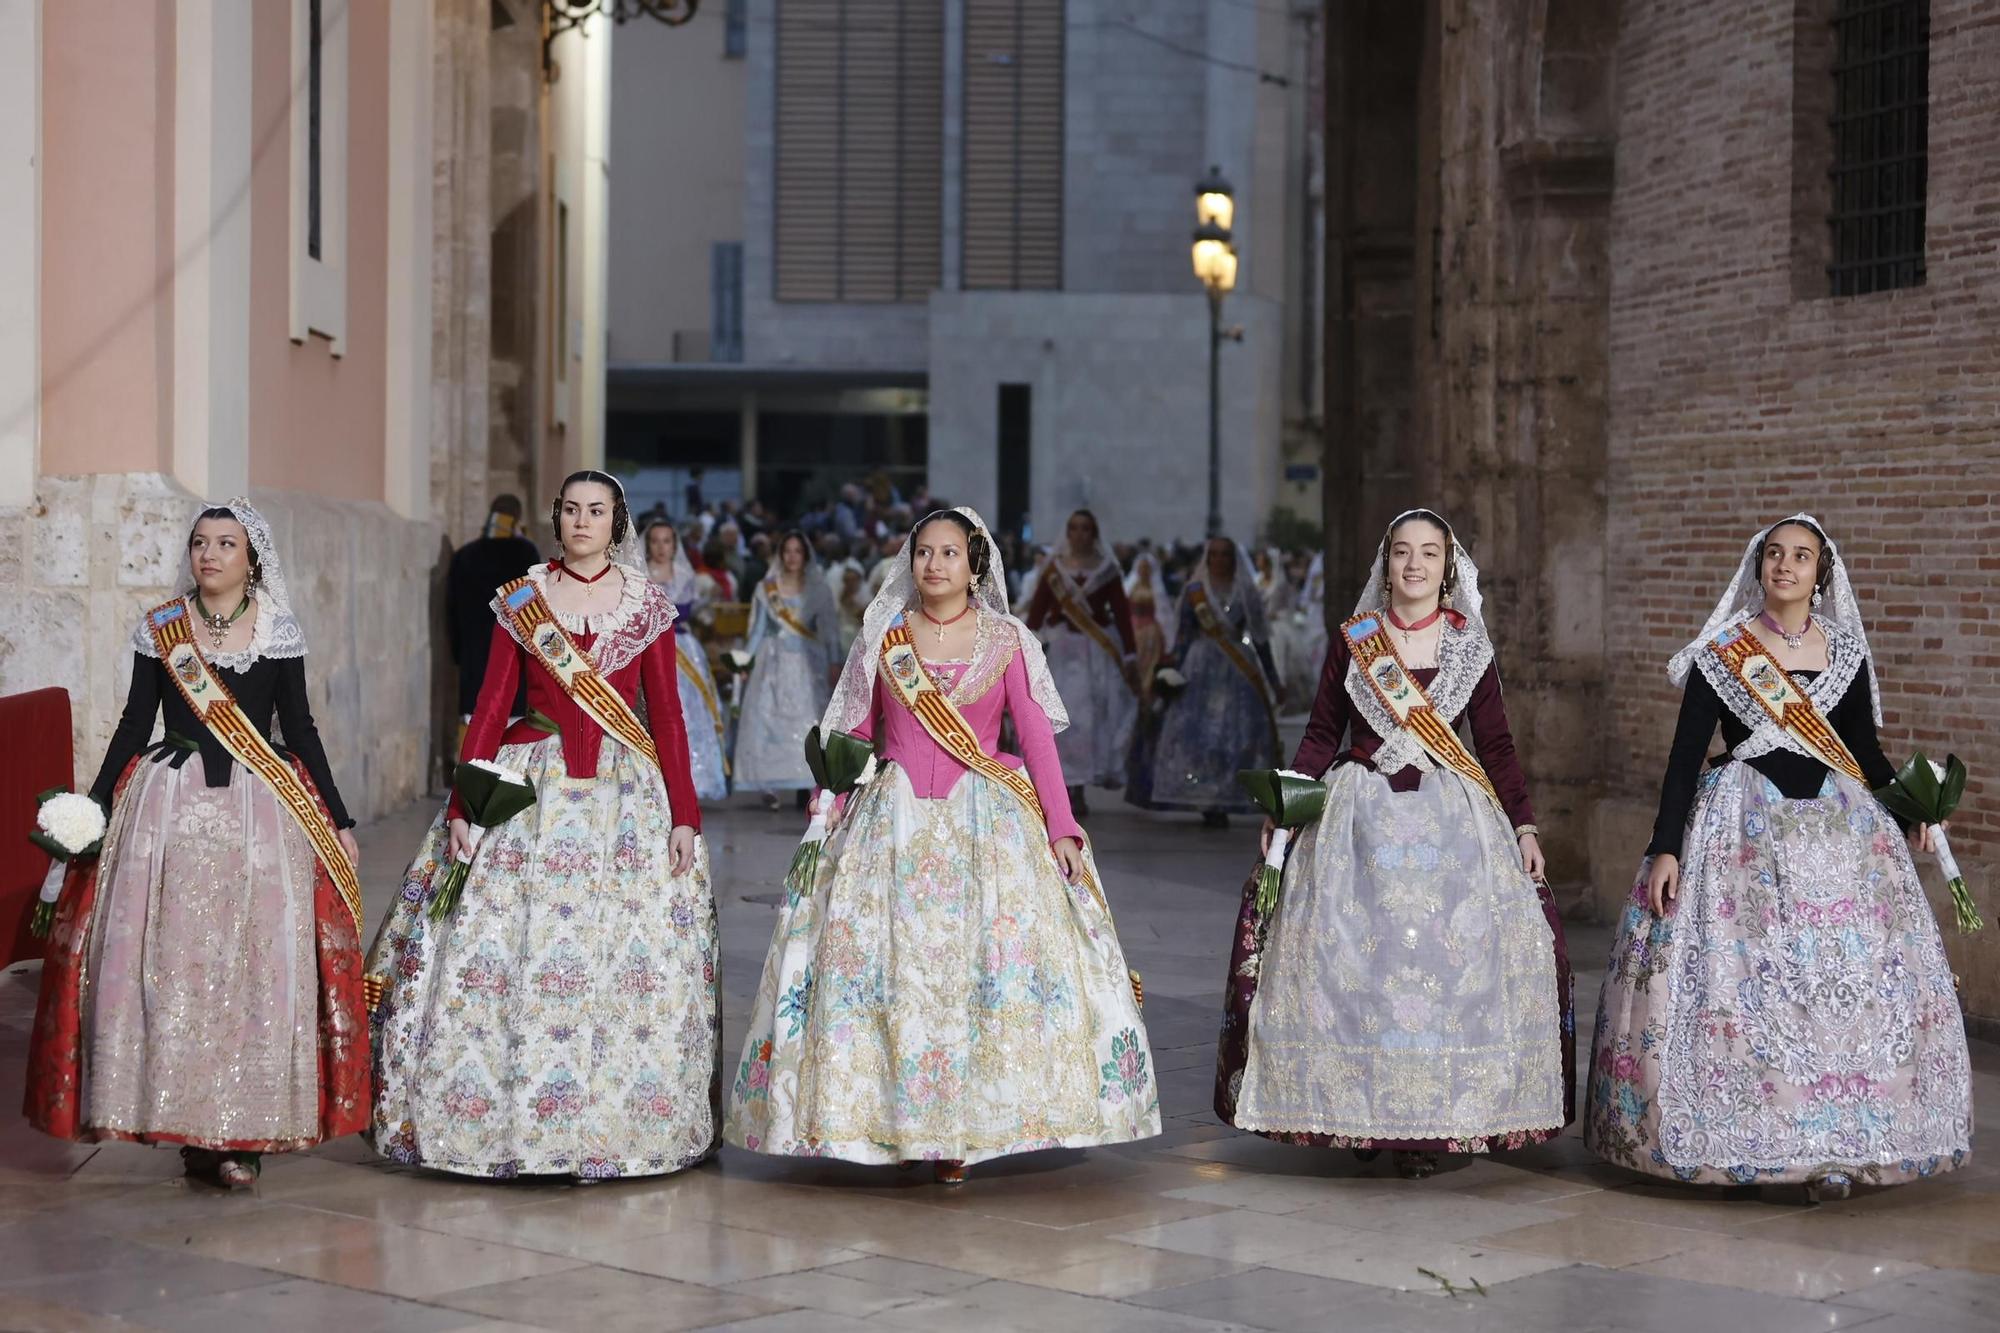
point(1070, 601)
point(1219, 632)
point(1391, 683)
point(536, 628)
point(1751, 663)
point(707, 693)
point(774, 599)
point(173, 641)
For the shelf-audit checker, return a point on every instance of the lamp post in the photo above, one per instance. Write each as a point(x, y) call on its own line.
point(1215, 265)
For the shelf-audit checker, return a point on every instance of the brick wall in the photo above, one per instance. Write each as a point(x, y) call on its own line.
point(1734, 402)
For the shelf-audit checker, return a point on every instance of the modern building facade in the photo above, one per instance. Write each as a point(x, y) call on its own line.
point(950, 242)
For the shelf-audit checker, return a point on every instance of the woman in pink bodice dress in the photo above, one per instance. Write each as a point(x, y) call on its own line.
point(949, 987)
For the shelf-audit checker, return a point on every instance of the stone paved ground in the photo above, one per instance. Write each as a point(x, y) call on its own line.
point(1201, 1228)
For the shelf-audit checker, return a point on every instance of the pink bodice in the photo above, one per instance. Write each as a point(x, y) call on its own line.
point(931, 769)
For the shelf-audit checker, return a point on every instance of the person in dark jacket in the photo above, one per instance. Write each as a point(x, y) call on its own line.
point(500, 554)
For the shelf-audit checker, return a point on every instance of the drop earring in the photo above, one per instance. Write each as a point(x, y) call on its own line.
point(1818, 597)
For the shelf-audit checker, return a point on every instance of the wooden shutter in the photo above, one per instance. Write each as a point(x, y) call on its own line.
point(1013, 143)
point(860, 119)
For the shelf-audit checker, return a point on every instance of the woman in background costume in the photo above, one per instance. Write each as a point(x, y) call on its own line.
point(794, 630)
point(700, 701)
point(1080, 611)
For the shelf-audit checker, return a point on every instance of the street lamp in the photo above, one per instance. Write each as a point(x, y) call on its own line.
point(1215, 266)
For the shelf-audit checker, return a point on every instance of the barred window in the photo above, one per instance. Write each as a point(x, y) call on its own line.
point(1881, 143)
point(860, 150)
point(1013, 144)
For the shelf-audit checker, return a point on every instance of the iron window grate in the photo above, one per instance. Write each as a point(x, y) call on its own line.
point(1881, 143)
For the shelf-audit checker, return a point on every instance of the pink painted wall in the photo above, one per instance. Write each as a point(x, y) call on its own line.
point(107, 237)
point(316, 419)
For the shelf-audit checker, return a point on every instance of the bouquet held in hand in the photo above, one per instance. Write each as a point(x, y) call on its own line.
point(1291, 800)
point(1927, 793)
point(839, 764)
point(491, 795)
point(68, 827)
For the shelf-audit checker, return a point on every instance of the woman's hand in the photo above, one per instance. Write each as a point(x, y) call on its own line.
point(823, 801)
point(1264, 843)
point(1531, 858)
point(1921, 839)
point(1069, 856)
point(1663, 883)
point(461, 840)
point(349, 845)
point(680, 845)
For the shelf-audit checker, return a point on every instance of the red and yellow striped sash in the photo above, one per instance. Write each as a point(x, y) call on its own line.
point(1779, 695)
point(1070, 600)
point(216, 707)
point(775, 599)
point(537, 629)
point(941, 718)
point(685, 656)
point(1218, 631)
point(1382, 667)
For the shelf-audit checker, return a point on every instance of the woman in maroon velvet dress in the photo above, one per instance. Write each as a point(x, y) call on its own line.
point(1080, 612)
point(1411, 989)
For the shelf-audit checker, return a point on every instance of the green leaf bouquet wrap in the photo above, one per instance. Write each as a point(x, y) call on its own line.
point(1923, 792)
point(491, 795)
point(839, 763)
point(1292, 800)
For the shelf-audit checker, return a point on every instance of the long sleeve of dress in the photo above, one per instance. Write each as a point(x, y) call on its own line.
point(1854, 718)
point(760, 623)
point(1493, 742)
point(1121, 616)
point(1328, 723)
point(659, 667)
point(866, 731)
point(1270, 665)
point(1039, 605)
point(1701, 709)
point(134, 729)
point(1038, 748)
point(496, 700)
point(302, 735)
point(1187, 629)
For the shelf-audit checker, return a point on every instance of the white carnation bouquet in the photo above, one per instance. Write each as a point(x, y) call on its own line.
point(68, 826)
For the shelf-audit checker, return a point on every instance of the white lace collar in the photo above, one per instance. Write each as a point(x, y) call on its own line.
point(630, 601)
point(1846, 655)
point(275, 634)
point(1463, 657)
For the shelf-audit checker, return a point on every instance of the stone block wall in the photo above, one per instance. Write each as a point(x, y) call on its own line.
point(80, 567)
point(1739, 394)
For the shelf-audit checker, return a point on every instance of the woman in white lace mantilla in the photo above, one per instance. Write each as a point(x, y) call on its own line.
point(203, 984)
point(1778, 1006)
point(949, 987)
point(702, 705)
point(1225, 717)
point(1080, 611)
point(1411, 989)
point(564, 1018)
point(794, 649)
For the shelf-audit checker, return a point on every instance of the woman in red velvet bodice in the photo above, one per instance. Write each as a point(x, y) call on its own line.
point(563, 1018)
point(1411, 989)
point(947, 987)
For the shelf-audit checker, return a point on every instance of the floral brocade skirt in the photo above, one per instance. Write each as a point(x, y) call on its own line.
point(1411, 990)
point(565, 1018)
point(942, 993)
point(1217, 725)
point(1102, 708)
point(1793, 1013)
point(203, 982)
point(782, 701)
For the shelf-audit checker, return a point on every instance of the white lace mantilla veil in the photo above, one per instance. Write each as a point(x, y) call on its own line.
point(854, 697)
point(1743, 600)
point(1241, 592)
point(277, 632)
